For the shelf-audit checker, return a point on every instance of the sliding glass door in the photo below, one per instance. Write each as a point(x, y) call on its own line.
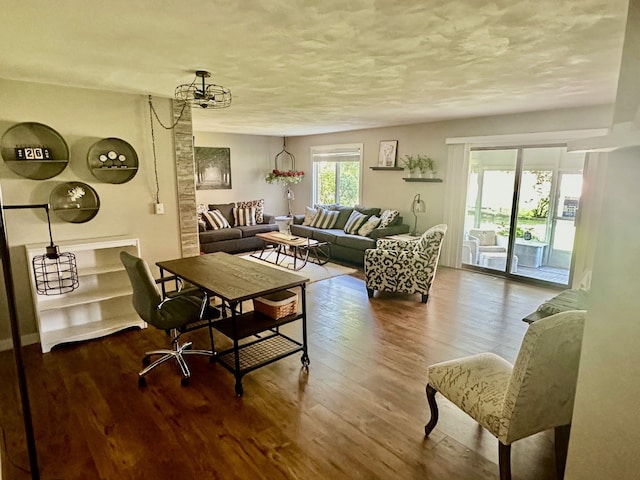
point(520, 211)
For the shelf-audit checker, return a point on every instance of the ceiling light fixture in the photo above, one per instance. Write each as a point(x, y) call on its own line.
point(202, 94)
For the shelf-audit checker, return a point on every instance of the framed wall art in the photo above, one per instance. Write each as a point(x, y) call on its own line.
point(213, 168)
point(387, 153)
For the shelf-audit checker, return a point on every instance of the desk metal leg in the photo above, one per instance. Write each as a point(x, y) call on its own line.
point(305, 354)
point(206, 303)
point(236, 350)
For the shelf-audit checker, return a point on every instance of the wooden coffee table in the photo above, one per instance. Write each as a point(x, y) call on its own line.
point(300, 248)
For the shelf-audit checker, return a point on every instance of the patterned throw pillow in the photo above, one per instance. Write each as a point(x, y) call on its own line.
point(356, 220)
point(369, 226)
point(244, 216)
point(325, 218)
point(309, 215)
point(215, 220)
point(387, 218)
point(259, 204)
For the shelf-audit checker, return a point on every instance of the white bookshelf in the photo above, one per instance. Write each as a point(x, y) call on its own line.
point(101, 305)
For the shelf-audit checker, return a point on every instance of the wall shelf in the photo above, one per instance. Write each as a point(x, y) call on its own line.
point(52, 154)
point(112, 160)
point(433, 180)
point(74, 210)
point(387, 168)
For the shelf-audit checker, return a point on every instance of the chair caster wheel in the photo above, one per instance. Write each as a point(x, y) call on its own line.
point(142, 382)
point(184, 381)
point(146, 361)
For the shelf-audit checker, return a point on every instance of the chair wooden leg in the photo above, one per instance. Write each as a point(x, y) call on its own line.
point(425, 298)
point(370, 292)
point(433, 406)
point(504, 460)
point(562, 445)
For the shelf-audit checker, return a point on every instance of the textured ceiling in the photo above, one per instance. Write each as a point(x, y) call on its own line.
point(301, 67)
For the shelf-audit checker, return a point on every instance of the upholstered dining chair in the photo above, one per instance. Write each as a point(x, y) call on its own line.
point(404, 266)
point(515, 401)
point(176, 314)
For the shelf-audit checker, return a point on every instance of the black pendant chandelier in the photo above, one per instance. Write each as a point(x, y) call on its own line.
point(204, 95)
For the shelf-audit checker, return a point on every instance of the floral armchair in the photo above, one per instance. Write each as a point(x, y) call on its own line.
point(404, 266)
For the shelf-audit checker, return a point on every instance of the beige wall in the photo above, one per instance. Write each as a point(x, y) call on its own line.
point(82, 117)
point(252, 156)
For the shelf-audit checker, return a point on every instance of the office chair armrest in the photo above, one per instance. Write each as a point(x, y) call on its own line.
point(195, 307)
point(179, 287)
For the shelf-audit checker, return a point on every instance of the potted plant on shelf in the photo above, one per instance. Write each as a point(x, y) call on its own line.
point(411, 163)
point(426, 166)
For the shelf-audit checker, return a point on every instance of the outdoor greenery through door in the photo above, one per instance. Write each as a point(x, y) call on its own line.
point(521, 209)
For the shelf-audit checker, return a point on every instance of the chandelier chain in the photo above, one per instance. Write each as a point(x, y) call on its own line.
point(155, 114)
point(153, 144)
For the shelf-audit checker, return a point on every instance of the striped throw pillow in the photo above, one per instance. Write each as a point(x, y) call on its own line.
point(325, 218)
point(355, 221)
point(215, 220)
point(244, 216)
point(259, 204)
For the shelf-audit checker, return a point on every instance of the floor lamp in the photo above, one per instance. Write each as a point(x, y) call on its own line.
point(417, 206)
point(290, 196)
point(55, 273)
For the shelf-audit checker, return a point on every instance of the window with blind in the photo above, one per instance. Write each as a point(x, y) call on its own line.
point(337, 173)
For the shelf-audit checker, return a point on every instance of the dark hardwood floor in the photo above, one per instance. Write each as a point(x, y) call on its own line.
point(358, 413)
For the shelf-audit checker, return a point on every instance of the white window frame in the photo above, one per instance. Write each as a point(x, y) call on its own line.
point(322, 152)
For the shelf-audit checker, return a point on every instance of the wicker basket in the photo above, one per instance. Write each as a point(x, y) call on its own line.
point(277, 305)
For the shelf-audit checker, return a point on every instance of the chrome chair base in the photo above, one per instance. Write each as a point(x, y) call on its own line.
point(178, 354)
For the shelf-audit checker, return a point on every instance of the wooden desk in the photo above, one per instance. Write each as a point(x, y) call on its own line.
point(234, 280)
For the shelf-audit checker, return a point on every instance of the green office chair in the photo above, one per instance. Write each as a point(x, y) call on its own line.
point(176, 314)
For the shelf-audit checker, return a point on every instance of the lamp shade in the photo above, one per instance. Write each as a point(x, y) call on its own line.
point(417, 206)
point(55, 275)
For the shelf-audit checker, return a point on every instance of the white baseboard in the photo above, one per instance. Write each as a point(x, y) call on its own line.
point(30, 339)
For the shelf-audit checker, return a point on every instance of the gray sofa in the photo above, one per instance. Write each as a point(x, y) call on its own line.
point(234, 239)
point(345, 246)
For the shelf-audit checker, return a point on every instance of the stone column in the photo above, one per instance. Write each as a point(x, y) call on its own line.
point(185, 181)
